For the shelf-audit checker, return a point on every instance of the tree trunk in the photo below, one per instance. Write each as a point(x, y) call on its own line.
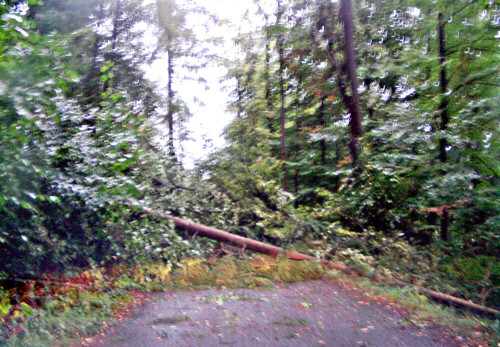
point(355, 122)
point(284, 184)
point(443, 106)
point(296, 180)
point(322, 142)
point(269, 106)
point(445, 234)
point(32, 12)
point(235, 240)
point(114, 35)
point(239, 102)
point(170, 112)
point(91, 85)
point(443, 110)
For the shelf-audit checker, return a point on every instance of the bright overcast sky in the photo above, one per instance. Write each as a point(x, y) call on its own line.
point(208, 120)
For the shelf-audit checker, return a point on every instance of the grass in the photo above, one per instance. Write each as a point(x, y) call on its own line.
point(226, 272)
point(63, 325)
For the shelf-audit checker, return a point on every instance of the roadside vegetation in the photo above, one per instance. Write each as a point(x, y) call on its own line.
point(71, 311)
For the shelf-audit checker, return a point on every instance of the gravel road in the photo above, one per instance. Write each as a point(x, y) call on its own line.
point(313, 313)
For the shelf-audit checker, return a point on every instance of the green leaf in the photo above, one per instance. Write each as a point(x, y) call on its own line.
point(54, 199)
point(124, 145)
point(107, 66)
point(116, 97)
point(26, 206)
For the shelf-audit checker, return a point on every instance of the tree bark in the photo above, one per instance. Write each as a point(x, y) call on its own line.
point(445, 298)
point(355, 122)
point(116, 17)
point(170, 111)
point(322, 142)
point(443, 106)
point(284, 183)
point(269, 106)
point(219, 235)
point(445, 233)
point(91, 87)
point(239, 91)
point(443, 110)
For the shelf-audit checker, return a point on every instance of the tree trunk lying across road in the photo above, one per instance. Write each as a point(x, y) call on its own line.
point(273, 251)
point(236, 240)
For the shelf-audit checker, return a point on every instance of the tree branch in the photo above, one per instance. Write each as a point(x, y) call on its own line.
point(471, 81)
point(463, 8)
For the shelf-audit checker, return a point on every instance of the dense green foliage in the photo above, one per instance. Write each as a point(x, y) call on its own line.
point(81, 141)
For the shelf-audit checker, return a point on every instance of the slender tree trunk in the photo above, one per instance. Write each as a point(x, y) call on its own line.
point(269, 105)
point(32, 12)
point(117, 15)
point(322, 142)
point(443, 110)
point(284, 184)
point(91, 87)
point(170, 112)
point(282, 121)
point(296, 180)
point(443, 106)
point(348, 89)
point(355, 122)
point(445, 234)
point(239, 91)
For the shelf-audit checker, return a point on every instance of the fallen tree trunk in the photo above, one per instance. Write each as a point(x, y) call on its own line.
point(273, 251)
point(236, 240)
point(445, 298)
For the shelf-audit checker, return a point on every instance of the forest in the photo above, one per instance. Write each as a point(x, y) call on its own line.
point(364, 134)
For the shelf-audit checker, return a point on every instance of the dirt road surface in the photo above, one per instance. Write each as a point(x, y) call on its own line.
point(313, 313)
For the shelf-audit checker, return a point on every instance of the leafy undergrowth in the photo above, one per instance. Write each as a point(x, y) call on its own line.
point(62, 312)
